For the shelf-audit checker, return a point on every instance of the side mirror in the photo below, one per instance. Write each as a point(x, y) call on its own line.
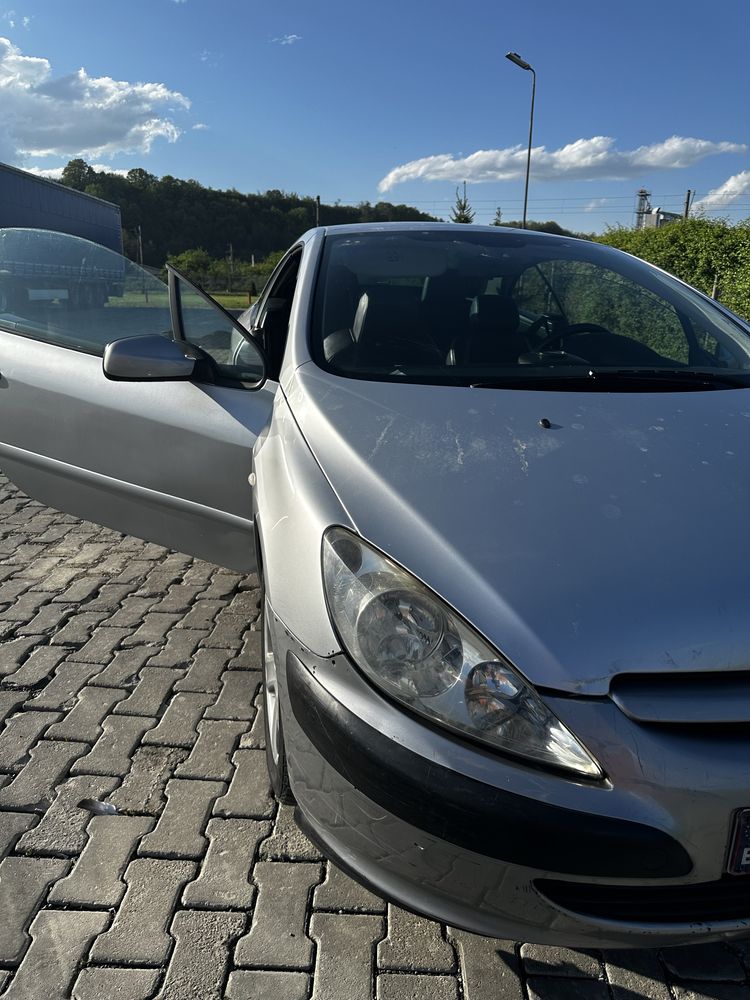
point(151, 357)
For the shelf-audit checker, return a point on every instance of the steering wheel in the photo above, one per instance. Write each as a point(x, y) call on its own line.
point(569, 331)
point(543, 320)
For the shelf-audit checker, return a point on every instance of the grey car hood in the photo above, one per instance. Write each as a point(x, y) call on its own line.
point(616, 540)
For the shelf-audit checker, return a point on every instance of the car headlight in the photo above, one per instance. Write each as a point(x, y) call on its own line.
point(414, 647)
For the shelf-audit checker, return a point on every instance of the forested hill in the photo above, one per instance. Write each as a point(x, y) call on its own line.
point(176, 215)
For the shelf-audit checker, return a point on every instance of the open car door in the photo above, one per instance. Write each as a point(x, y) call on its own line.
point(125, 401)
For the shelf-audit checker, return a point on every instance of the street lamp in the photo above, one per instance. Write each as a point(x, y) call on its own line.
point(515, 58)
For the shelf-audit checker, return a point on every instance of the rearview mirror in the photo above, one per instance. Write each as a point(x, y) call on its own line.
point(151, 357)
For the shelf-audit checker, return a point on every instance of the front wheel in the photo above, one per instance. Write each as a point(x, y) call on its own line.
point(275, 750)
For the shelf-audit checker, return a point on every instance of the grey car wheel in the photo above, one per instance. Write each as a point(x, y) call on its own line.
point(275, 750)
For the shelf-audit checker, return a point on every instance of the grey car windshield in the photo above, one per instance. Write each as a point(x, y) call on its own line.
point(484, 308)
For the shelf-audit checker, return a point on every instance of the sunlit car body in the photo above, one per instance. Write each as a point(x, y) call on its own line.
point(497, 486)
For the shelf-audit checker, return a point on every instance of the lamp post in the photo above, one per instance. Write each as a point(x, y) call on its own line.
point(515, 58)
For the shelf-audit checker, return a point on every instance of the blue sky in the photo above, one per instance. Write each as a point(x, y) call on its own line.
point(396, 100)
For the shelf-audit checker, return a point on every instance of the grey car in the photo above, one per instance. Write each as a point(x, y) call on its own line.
point(496, 486)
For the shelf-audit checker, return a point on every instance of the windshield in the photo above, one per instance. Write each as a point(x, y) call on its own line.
point(463, 307)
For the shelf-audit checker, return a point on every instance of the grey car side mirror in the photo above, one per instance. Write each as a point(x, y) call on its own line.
point(150, 357)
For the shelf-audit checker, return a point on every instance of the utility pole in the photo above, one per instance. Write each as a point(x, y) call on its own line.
point(317, 209)
point(230, 268)
point(688, 200)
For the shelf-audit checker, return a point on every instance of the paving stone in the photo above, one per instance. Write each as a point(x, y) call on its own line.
point(344, 934)
point(205, 671)
point(153, 630)
point(40, 664)
point(96, 879)
point(115, 984)
point(228, 631)
point(222, 584)
point(202, 615)
point(342, 894)
point(25, 607)
point(109, 598)
point(84, 721)
point(131, 612)
point(211, 757)
point(112, 752)
point(138, 935)
point(82, 589)
point(179, 830)
point(414, 943)
point(150, 693)
point(61, 692)
point(246, 985)
point(277, 936)
point(89, 553)
point(48, 619)
point(159, 578)
point(490, 969)
point(256, 737)
point(179, 649)
point(33, 788)
point(12, 825)
point(101, 646)
point(288, 842)
point(60, 941)
point(9, 702)
point(249, 655)
point(78, 629)
point(566, 988)
point(13, 653)
point(238, 689)
point(124, 669)
point(23, 885)
point(134, 571)
point(62, 829)
point(12, 589)
point(142, 790)
point(711, 962)
point(200, 958)
point(178, 725)
point(704, 991)
point(179, 599)
point(634, 973)
point(397, 986)
point(20, 734)
point(249, 793)
point(224, 879)
point(545, 960)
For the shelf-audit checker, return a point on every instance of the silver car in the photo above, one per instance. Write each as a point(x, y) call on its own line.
point(496, 486)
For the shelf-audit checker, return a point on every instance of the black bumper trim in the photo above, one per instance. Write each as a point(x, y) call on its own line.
point(469, 813)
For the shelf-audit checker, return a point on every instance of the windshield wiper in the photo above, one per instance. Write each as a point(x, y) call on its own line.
point(623, 379)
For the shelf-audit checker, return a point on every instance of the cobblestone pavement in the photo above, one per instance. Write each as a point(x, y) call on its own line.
point(142, 854)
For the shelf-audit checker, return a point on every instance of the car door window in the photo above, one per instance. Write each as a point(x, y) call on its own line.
point(275, 311)
point(65, 290)
point(234, 356)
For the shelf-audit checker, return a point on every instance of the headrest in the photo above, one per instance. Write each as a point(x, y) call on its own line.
point(494, 312)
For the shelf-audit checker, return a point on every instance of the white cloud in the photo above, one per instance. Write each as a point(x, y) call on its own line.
point(584, 159)
point(55, 173)
point(594, 204)
point(199, 127)
point(287, 39)
point(732, 189)
point(79, 115)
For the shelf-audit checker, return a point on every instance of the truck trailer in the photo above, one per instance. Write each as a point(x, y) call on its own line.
point(28, 204)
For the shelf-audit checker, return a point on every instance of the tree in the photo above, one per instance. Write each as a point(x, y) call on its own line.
point(498, 220)
point(462, 210)
point(77, 174)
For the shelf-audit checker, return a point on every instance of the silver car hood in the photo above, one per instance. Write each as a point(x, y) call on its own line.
point(616, 540)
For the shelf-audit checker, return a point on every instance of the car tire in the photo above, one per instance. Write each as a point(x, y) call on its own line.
point(274, 733)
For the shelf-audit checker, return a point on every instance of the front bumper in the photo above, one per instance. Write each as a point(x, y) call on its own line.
point(482, 843)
